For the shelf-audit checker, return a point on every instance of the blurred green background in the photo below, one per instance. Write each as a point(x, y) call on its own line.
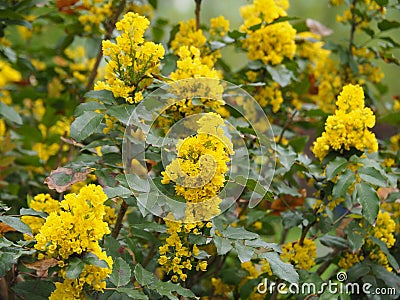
point(320, 10)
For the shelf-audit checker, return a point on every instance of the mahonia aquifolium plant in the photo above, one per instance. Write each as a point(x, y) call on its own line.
point(76, 75)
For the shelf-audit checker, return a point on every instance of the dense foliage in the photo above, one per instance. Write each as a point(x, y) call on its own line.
point(136, 163)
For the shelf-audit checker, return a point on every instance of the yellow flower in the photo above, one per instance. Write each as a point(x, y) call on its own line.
point(270, 43)
point(348, 127)
point(132, 60)
point(301, 256)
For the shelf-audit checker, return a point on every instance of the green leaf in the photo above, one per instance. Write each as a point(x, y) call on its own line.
point(105, 96)
point(16, 223)
point(75, 268)
point(34, 289)
point(143, 276)
point(88, 106)
point(333, 241)
point(255, 186)
point(223, 245)
point(133, 293)
point(118, 191)
point(7, 260)
point(235, 34)
point(392, 261)
point(245, 253)
point(382, 2)
point(279, 268)
point(121, 273)
point(92, 259)
point(335, 166)
point(85, 125)
point(372, 176)
point(10, 114)
point(167, 288)
point(31, 212)
point(390, 279)
point(343, 183)
point(357, 271)
point(356, 240)
point(238, 233)
point(154, 3)
point(121, 112)
point(369, 201)
point(387, 25)
point(280, 74)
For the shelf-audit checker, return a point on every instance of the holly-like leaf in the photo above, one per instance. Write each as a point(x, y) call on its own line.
point(335, 166)
point(121, 273)
point(75, 268)
point(133, 293)
point(85, 125)
point(372, 176)
point(104, 96)
point(16, 223)
point(343, 183)
point(238, 233)
point(279, 268)
point(245, 253)
point(10, 114)
point(369, 201)
point(143, 276)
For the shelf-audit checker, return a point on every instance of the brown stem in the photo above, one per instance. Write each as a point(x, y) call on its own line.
point(107, 36)
point(304, 232)
point(286, 126)
point(197, 13)
point(120, 217)
point(284, 235)
point(275, 293)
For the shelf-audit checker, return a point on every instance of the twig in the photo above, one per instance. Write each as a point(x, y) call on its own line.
point(107, 36)
point(284, 235)
point(304, 232)
point(275, 293)
point(120, 217)
point(197, 13)
point(286, 126)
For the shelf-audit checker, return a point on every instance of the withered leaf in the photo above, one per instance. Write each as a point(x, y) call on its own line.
point(61, 178)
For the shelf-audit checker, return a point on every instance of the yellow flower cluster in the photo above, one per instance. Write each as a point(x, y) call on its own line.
point(41, 202)
point(350, 259)
point(75, 228)
point(80, 64)
point(8, 74)
point(324, 76)
point(219, 26)
point(270, 43)
point(188, 35)
point(178, 256)
point(132, 60)
point(355, 13)
point(95, 13)
point(220, 288)
point(348, 127)
point(383, 230)
point(91, 275)
point(301, 256)
point(270, 95)
point(200, 167)
point(190, 65)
